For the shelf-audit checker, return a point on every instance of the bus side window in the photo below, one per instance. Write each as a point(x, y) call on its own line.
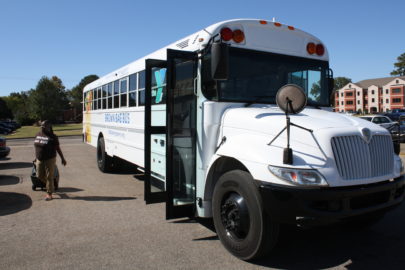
point(116, 96)
point(104, 93)
point(94, 99)
point(99, 102)
point(132, 90)
point(109, 94)
point(123, 92)
point(141, 88)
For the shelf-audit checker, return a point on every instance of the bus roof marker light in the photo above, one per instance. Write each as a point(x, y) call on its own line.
point(311, 48)
point(291, 27)
point(277, 24)
point(320, 49)
point(238, 36)
point(226, 34)
point(263, 22)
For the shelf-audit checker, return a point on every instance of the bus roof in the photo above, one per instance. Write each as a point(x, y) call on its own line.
point(260, 35)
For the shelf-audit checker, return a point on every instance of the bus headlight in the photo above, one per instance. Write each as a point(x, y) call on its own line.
point(299, 176)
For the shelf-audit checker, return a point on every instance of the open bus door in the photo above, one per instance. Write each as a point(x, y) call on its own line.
point(170, 145)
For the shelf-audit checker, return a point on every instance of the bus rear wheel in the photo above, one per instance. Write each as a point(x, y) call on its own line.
point(241, 223)
point(104, 161)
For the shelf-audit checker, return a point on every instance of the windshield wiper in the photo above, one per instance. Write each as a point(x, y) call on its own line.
point(257, 99)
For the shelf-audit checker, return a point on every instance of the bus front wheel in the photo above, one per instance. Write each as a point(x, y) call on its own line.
point(104, 161)
point(241, 223)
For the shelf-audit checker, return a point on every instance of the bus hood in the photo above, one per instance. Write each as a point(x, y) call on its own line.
point(249, 134)
point(270, 120)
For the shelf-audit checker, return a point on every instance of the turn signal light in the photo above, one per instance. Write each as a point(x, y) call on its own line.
point(311, 48)
point(238, 36)
point(320, 49)
point(227, 34)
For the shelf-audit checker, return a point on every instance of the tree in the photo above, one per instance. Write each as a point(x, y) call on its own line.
point(340, 82)
point(76, 93)
point(5, 111)
point(20, 107)
point(48, 99)
point(58, 83)
point(399, 66)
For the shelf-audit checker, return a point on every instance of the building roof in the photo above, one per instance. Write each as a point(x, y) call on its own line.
point(378, 81)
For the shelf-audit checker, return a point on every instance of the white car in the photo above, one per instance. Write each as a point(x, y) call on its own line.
point(383, 121)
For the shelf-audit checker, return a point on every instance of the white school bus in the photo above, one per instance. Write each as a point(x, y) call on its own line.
point(204, 118)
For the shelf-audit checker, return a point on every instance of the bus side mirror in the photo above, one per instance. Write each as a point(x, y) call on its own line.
point(219, 61)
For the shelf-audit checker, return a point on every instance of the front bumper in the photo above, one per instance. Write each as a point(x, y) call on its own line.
point(327, 205)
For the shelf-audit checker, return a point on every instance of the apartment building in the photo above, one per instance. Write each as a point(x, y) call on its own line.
point(371, 96)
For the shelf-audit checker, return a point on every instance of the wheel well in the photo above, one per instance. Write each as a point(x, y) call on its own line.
point(220, 166)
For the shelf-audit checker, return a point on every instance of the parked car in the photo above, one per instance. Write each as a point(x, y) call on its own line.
point(6, 128)
point(4, 131)
point(395, 114)
point(383, 121)
point(398, 130)
point(4, 150)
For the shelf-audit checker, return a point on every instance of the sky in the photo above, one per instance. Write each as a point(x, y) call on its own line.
point(75, 38)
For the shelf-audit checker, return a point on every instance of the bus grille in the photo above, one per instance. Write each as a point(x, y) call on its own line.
point(357, 159)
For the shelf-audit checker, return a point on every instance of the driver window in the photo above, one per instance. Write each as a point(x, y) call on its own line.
point(310, 81)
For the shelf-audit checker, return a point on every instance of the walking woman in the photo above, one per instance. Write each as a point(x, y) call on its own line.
point(46, 145)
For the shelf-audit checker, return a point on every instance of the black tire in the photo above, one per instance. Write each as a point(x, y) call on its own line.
point(34, 187)
point(104, 161)
point(241, 223)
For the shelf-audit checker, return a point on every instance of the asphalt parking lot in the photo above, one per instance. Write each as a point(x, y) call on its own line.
point(100, 221)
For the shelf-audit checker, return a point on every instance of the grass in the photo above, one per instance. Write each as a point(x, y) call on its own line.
point(60, 130)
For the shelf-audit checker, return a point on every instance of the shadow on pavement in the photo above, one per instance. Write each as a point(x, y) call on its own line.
point(94, 198)
point(11, 202)
point(9, 180)
point(68, 189)
point(328, 247)
point(102, 198)
point(15, 165)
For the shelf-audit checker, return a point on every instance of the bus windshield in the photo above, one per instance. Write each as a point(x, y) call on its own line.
point(255, 77)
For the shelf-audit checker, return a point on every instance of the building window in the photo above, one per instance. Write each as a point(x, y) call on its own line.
point(358, 93)
point(387, 101)
point(342, 103)
point(396, 81)
point(386, 91)
point(349, 94)
point(366, 102)
point(341, 94)
point(358, 102)
point(396, 90)
point(372, 92)
point(396, 100)
point(349, 102)
point(372, 100)
point(350, 86)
